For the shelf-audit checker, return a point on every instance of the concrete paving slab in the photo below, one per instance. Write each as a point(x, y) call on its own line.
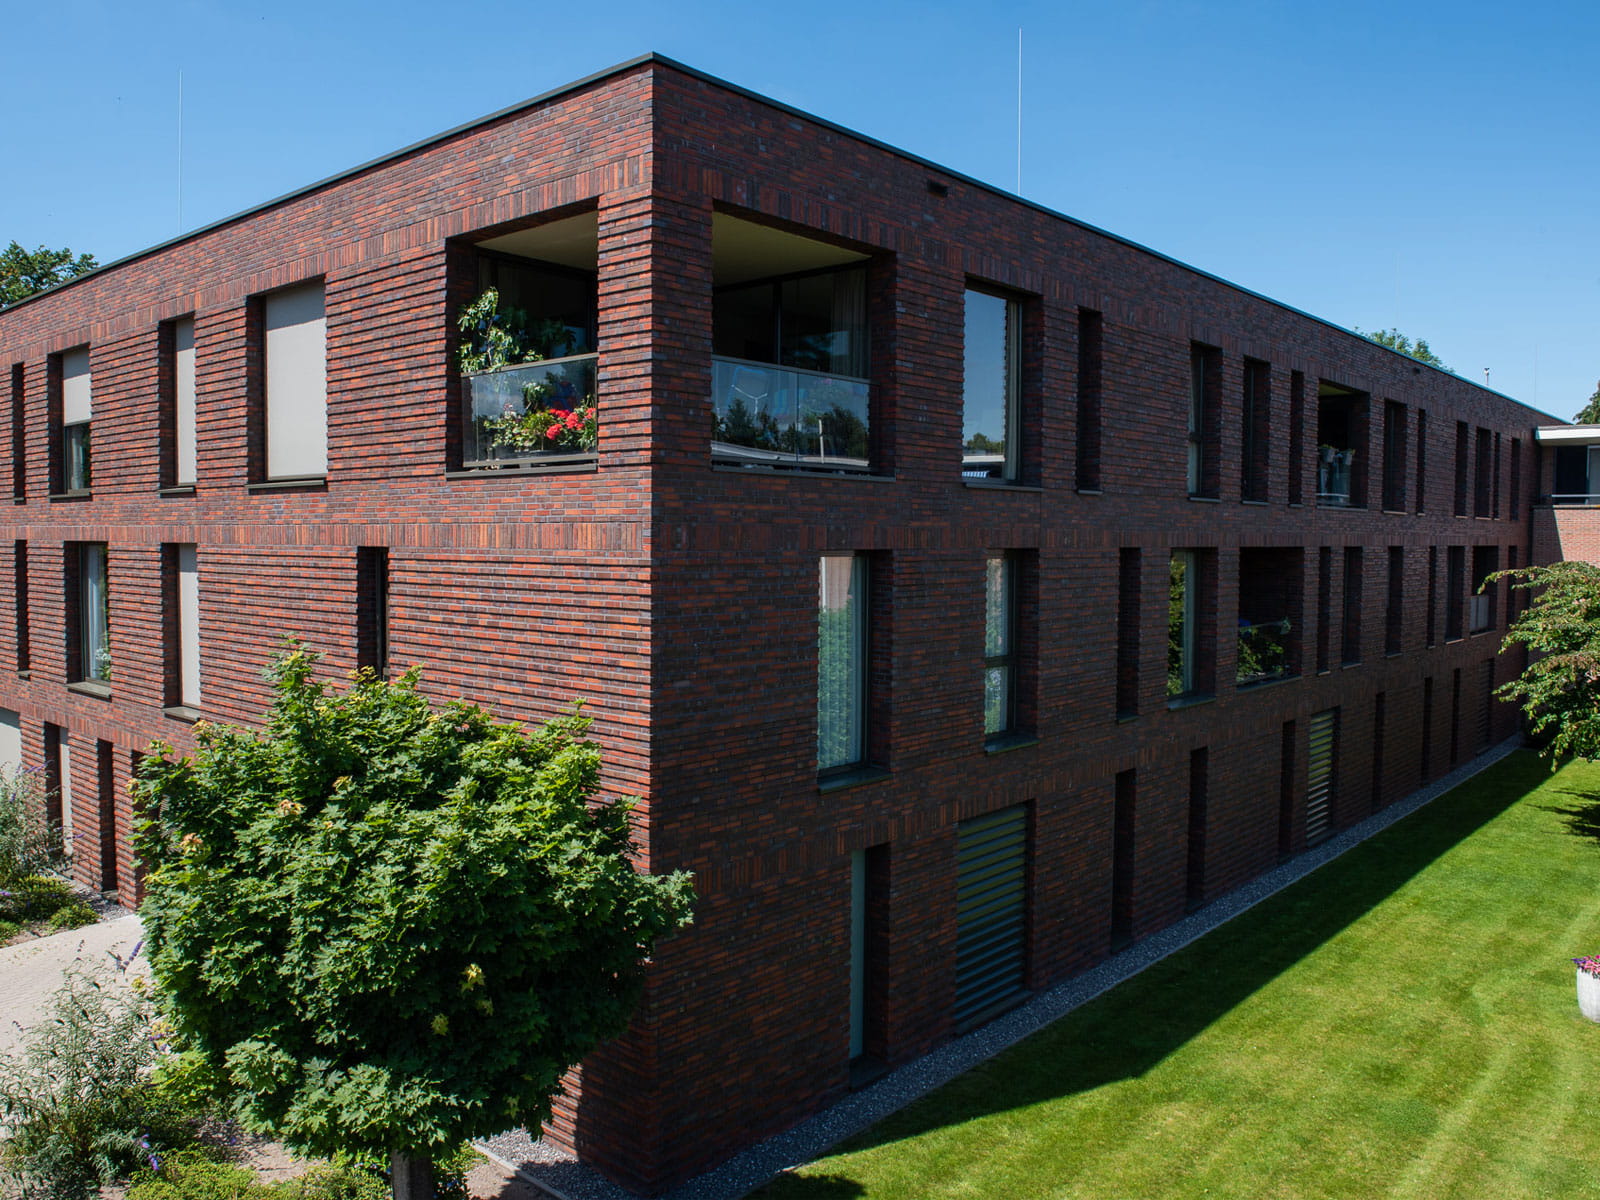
point(30, 971)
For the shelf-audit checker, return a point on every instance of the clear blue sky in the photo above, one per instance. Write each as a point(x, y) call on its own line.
point(1429, 166)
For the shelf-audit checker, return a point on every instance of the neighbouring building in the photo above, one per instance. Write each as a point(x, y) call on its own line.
point(968, 592)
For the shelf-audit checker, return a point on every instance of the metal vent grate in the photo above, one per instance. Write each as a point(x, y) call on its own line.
point(991, 865)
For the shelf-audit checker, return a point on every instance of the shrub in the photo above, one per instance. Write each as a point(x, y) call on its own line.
point(78, 1105)
point(72, 916)
point(29, 843)
point(190, 1175)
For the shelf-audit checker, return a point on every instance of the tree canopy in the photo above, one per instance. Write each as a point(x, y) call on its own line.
point(1396, 340)
point(1589, 414)
point(24, 272)
point(392, 926)
point(1559, 690)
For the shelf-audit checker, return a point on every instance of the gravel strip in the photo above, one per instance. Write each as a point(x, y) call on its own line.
point(564, 1177)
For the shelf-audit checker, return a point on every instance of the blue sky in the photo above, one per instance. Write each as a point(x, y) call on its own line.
point(1423, 165)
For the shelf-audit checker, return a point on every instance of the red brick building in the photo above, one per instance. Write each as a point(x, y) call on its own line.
point(967, 591)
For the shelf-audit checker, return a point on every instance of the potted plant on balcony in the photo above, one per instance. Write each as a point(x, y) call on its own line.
point(519, 408)
point(1589, 986)
point(495, 338)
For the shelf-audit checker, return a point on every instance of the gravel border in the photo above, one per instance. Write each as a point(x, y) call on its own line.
point(561, 1175)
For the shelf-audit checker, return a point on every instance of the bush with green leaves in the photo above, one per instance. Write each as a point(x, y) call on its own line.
point(392, 926)
point(79, 1107)
point(29, 843)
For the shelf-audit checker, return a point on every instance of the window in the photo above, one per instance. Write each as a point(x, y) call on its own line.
point(89, 648)
point(1324, 605)
point(1256, 430)
point(1422, 459)
point(841, 661)
point(1091, 358)
point(1341, 446)
point(1483, 476)
point(1394, 456)
point(999, 646)
point(372, 608)
point(1123, 810)
point(1189, 646)
point(1455, 585)
point(1269, 614)
point(19, 566)
point(1205, 371)
point(178, 404)
point(990, 433)
point(1129, 565)
point(19, 426)
point(1485, 562)
point(1195, 873)
point(1394, 612)
point(181, 576)
point(1297, 436)
point(1516, 478)
point(1350, 642)
point(1463, 448)
point(76, 410)
point(1433, 595)
point(295, 339)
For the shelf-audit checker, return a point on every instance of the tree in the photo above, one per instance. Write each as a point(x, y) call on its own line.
point(392, 927)
point(1589, 414)
point(1396, 340)
point(23, 272)
point(1559, 690)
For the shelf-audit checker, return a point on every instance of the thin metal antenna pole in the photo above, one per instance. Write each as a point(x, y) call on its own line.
point(180, 151)
point(1019, 110)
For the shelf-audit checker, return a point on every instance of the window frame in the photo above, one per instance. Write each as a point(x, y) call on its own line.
point(1000, 615)
point(1010, 467)
point(854, 735)
point(89, 659)
point(272, 312)
point(76, 464)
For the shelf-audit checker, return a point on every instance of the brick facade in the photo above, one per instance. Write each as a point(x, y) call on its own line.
point(678, 598)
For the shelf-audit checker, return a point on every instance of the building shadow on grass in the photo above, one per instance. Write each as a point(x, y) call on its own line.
point(1128, 1030)
point(1581, 814)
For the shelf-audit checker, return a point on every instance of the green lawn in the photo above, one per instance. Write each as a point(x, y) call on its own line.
point(1402, 1023)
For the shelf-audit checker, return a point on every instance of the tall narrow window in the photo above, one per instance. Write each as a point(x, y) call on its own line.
point(841, 661)
point(1182, 624)
point(1205, 370)
point(999, 646)
point(180, 470)
point(1195, 875)
point(1512, 593)
point(1256, 430)
point(1380, 704)
point(89, 648)
point(1394, 611)
point(1494, 501)
point(1455, 587)
point(1394, 456)
point(1350, 642)
point(869, 953)
point(1433, 595)
point(1425, 768)
point(106, 811)
point(1322, 779)
point(1422, 460)
point(19, 427)
point(295, 338)
point(1516, 478)
point(1123, 829)
point(1463, 449)
point(1297, 436)
point(1485, 562)
point(58, 782)
point(1286, 781)
point(1324, 605)
point(1128, 586)
point(1455, 716)
point(1483, 474)
point(1091, 357)
point(76, 411)
point(182, 571)
point(990, 423)
point(19, 565)
point(372, 608)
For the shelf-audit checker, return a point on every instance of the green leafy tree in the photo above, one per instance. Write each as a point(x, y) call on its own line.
point(1589, 414)
point(1559, 690)
point(392, 926)
point(1396, 340)
point(24, 272)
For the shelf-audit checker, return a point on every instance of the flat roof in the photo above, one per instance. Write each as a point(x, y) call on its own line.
point(1568, 435)
point(656, 59)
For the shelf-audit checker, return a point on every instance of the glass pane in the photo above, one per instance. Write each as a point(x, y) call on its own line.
point(840, 660)
point(1177, 628)
point(997, 609)
point(96, 615)
point(770, 414)
point(996, 699)
point(77, 457)
point(532, 410)
point(987, 391)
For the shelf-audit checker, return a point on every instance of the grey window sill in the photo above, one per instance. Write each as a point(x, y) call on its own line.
point(1193, 700)
point(1000, 485)
point(1193, 499)
point(800, 472)
point(90, 687)
point(851, 777)
point(576, 464)
point(180, 489)
point(1259, 684)
point(1006, 742)
point(179, 712)
point(308, 483)
point(76, 494)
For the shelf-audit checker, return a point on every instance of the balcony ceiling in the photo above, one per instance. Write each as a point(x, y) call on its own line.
point(742, 251)
point(570, 242)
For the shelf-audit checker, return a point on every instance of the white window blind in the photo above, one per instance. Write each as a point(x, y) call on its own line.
point(10, 740)
point(183, 334)
point(75, 390)
point(188, 626)
point(297, 388)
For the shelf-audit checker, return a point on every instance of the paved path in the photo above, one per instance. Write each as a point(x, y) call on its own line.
point(30, 971)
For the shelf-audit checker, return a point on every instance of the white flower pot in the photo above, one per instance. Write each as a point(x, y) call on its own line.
point(1589, 995)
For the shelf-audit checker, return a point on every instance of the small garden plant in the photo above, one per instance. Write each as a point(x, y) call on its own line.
point(33, 900)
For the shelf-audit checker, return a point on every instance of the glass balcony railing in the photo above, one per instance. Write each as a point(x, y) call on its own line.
point(533, 412)
point(1264, 651)
point(1333, 477)
point(770, 415)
